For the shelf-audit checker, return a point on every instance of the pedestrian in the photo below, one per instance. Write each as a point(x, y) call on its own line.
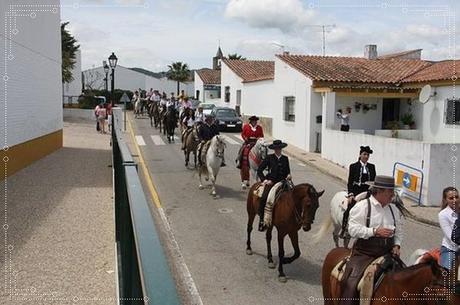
point(102, 116)
point(96, 111)
point(359, 173)
point(447, 218)
point(109, 116)
point(278, 168)
point(456, 231)
point(344, 119)
point(377, 226)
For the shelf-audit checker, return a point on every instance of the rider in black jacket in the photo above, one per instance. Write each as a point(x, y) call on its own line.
point(205, 133)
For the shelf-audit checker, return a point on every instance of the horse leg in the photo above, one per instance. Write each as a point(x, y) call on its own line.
point(346, 241)
point(281, 275)
point(335, 237)
point(268, 238)
point(187, 156)
point(295, 244)
point(251, 216)
point(199, 175)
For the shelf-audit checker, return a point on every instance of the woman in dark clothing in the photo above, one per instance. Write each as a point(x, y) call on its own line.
point(359, 173)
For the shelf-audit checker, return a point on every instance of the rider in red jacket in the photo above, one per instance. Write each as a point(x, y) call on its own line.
point(250, 133)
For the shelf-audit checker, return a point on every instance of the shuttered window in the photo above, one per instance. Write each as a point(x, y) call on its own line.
point(289, 108)
point(452, 113)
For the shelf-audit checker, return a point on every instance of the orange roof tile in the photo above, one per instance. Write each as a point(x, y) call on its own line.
point(252, 70)
point(354, 69)
point(441, 70)
point(209, 76)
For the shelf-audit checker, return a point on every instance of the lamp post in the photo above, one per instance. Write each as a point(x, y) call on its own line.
point(113, 63)
point(106, 79)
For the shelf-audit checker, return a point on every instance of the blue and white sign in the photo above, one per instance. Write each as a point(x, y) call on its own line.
point(407, 180)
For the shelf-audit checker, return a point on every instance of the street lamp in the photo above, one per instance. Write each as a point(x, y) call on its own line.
point(113, 63)
point(106, 70)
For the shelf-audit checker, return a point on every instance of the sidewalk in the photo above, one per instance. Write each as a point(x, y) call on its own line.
point(427, 215)
point(60, 229)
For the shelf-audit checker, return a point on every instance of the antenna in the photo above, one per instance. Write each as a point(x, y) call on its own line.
point(325, 28)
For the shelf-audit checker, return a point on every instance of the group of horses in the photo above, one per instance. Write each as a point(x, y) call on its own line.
point(161, 117)
point(295, 208)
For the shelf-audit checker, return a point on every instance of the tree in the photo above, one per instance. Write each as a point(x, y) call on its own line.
point(236, 56)
point(179, 72)
point(69, 53)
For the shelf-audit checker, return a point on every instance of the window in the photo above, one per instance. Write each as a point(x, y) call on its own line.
point(289, 108)
point(452, 113)
point(227, 94)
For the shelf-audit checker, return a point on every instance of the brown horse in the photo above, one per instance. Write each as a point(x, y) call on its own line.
point(416, 284)
point(294, 209)
point(191, 145)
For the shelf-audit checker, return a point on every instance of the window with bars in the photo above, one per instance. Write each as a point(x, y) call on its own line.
point(289, 108)
point(452, 112)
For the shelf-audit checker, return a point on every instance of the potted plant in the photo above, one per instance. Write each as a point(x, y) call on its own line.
point(407, 120)
point(394, 126)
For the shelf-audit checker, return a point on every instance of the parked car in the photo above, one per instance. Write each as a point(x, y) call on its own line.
point(207, 107)
point(227, 118)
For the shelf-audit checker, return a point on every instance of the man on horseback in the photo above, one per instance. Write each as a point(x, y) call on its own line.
point(187, 122)
point(359, 173)
point(278, 168)
point(250, 133)
point(207, 131)
point(376, 225)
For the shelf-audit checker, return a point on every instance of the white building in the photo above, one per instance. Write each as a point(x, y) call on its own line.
point(207, 86)
point(247, 86)
point(73, 89)
point(130, 79)
point(380, 90)
point(31, 74)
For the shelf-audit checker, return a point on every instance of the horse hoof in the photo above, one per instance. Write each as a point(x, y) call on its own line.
point(271, 265)
point(282, 279)
point(248, 251)
point(200, 187)
point(207, 179)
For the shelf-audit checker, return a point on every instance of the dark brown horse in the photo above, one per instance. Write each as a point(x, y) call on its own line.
point(417, 284)
point(294, 209)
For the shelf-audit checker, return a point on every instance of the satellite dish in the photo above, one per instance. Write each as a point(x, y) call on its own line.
point(425, 94)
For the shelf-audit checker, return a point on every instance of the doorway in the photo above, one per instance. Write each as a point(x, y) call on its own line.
point(390, 111)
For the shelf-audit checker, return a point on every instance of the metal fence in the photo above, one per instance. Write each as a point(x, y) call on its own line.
point(143, 271)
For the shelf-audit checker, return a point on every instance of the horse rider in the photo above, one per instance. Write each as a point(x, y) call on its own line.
point(207, 131)
point(199, 115)
point(250, 133)
point(377, 226)
point(359, 173)
point(278, 168)
point(188, 122)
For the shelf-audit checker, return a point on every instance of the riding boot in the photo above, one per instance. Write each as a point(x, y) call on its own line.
point(346, 214)
point(239, 157)
point(262, 203)
point(223, 162)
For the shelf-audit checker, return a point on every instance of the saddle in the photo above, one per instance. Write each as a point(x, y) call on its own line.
point(372, 277)
point(273, 195)
point(204, 151)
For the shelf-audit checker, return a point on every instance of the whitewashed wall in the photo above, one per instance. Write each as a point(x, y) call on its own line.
point(73, 89)
point(198, 85)
point(34, 85)
point(290, 82)
point(229, 78)
point(369, 121)
point(257, 98)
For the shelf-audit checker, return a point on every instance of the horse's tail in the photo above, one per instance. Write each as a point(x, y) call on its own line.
point(325, 226)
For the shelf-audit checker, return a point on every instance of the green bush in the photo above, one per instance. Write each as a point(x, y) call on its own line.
point(88, 100)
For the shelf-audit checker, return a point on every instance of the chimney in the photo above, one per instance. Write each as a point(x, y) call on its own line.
point(370, 51)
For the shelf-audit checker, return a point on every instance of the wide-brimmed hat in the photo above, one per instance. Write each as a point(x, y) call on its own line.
point(277, 144)
point(253, 118)
point(382, 182)
point(365, 149)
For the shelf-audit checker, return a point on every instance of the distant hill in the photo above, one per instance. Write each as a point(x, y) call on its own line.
point(160, 74)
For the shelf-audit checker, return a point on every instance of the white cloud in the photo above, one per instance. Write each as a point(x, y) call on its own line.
point(425, 31)
point(134, 2)
point(289, 16)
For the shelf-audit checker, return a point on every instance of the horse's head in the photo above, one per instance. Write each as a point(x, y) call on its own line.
point(310, 203)
point(219, 146)
point(443, 282)
point(262, 148)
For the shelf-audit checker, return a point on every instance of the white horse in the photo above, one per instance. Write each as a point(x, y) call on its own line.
point(339, 204)
point(213, 161)
point(257, 154)
point(137, 108)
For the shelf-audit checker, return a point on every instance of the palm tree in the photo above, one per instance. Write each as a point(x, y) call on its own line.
point(69, 49)
point(236, 56)
point(179, 72)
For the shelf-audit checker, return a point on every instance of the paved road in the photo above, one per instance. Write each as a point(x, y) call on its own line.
point(212, 233)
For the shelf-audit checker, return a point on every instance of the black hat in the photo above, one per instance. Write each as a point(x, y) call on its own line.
point(383, 182)
point(365, 149)
point(253, 118)
point(277, 144)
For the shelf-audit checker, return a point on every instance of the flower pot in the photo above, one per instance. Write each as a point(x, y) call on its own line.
point(405, 127)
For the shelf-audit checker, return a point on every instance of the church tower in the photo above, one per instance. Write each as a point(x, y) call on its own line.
point(216, 60)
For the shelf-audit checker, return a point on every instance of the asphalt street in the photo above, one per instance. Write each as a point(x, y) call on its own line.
point(211, 233)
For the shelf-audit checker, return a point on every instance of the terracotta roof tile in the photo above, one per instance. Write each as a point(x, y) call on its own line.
point(402, 54)
point(209, 76)
point(442, 70)
point(354, 69)
point(252, 70)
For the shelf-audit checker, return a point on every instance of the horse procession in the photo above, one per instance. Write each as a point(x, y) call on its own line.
point(370, 212)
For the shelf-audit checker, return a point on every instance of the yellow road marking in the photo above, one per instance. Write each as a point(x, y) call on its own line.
point(148, 178)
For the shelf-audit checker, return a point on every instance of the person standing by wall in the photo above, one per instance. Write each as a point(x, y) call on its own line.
point(447, 218)
point(344, 119)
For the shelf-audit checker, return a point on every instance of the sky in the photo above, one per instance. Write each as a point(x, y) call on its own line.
point(154, 33)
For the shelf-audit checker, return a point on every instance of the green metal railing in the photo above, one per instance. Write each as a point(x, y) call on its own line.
point(143, 272)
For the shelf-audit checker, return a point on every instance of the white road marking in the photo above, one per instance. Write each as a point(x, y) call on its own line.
point(230, 140)
point(157, 140)
point(140, 141)
point(189, 283)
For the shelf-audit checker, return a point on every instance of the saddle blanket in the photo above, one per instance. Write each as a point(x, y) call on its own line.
point(366, 284)
point(271, 200)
